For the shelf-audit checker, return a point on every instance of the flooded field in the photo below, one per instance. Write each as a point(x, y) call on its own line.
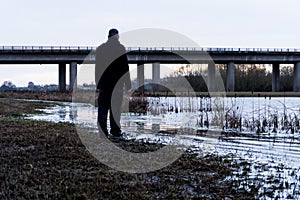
point(41, 160)
point(262, 131)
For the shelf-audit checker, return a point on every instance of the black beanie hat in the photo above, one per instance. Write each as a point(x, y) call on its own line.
point(113, 32)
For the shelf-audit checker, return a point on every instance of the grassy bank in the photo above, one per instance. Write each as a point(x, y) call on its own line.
point(53, 96)
point(47, 160)
point(89, 96)
point(21, 108)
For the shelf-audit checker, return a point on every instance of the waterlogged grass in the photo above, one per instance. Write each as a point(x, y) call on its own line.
point(40, 160)
point(53, 96)
point(47, 160)
point(19, 108)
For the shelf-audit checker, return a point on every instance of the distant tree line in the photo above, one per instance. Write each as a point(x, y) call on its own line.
point(9, 86)
point(247, 78)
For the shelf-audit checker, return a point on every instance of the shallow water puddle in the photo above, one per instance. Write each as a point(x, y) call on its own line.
point(181, 128)
point(278, 152)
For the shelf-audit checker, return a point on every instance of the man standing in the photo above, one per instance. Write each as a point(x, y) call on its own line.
point(111, 75)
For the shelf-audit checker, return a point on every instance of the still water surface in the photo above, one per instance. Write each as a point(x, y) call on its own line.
point(165, 124)
point(181, 127)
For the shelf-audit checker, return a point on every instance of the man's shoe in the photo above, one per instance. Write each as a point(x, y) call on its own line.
point(117, 137)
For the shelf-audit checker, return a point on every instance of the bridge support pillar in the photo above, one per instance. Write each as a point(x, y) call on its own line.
point(211, 86)
point(62, 77)
point(297, 77)
point(140, 76)
point(230, 77)
point(156, 72)
point(275, 77)
point(73, 76)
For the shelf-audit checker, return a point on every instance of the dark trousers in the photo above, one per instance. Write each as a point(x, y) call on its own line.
point(112, 103)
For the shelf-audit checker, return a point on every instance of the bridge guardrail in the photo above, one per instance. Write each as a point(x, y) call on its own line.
point(45, 48)
point(90, 48)
point(213, 49)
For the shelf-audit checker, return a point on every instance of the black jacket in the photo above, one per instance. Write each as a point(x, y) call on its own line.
point(111, 66)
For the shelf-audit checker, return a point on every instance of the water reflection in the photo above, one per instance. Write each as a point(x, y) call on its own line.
point(189, 123)
point(185, 126)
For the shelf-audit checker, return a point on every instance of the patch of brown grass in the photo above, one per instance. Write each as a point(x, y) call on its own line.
point(47, 160)
point(19, 108)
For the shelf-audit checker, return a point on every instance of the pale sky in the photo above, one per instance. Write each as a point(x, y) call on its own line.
point(210, 23)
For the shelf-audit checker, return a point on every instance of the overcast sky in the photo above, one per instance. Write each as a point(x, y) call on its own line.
point(210, 23)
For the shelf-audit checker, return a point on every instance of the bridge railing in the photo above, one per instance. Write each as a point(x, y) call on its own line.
point(213, 49)
point(90, 48)
point(45, 48)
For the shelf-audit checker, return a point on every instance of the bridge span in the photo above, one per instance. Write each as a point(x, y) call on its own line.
point(74, 55)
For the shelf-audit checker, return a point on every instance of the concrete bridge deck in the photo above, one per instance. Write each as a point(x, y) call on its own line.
point(74, 55)
point(67, 54)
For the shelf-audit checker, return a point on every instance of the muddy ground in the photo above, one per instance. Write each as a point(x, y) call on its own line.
point(47, 160)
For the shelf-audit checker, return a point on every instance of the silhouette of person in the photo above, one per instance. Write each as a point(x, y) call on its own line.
point(111, 75)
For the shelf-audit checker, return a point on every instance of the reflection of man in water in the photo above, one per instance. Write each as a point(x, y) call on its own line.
point(111, 74)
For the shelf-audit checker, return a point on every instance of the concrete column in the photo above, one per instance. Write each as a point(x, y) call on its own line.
point(211, 83)
point(297, 77)
point(140, 76)
point(62, 77)
point(230, 77)
point(156, 72)
point(275, 77)
point(73, 76)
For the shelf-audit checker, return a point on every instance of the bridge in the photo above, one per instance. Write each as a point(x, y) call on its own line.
point(74, 55)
